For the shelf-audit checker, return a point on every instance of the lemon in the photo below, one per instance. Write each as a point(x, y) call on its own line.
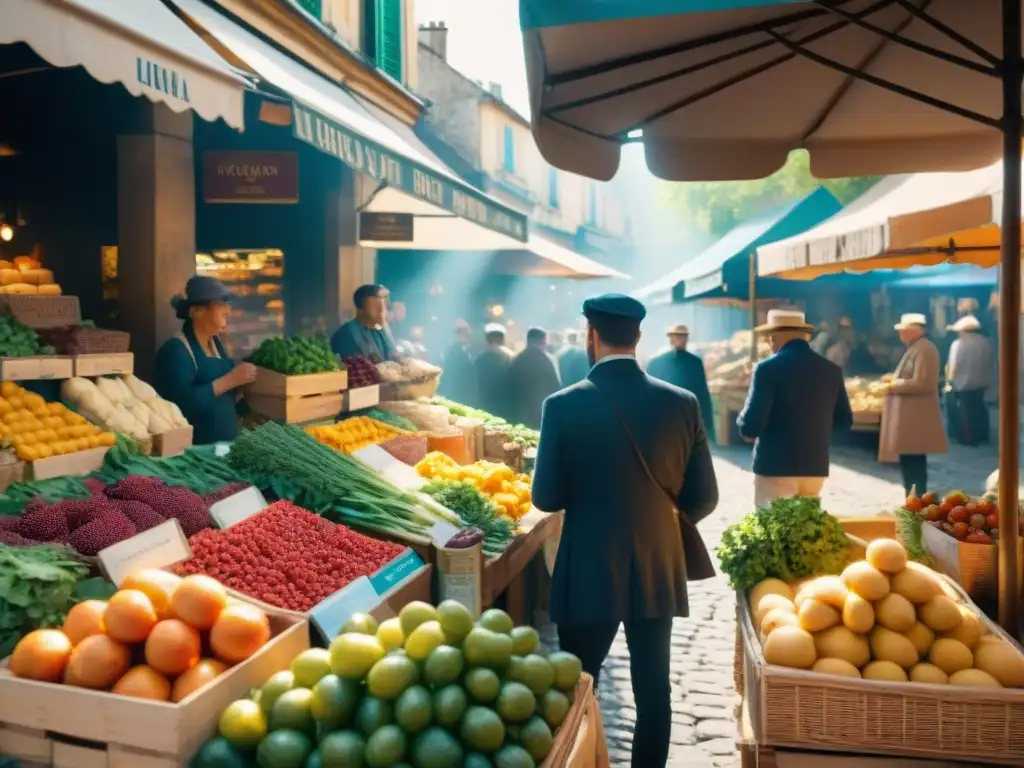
point(390, 634)
point(415, 613)
point(424, 639)
point(353, 655)
point(242, 724)
point(309, 666)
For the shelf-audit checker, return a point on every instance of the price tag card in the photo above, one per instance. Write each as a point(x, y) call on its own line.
point(441, 531)
point(236, 508)
point(159, 547)
point(330, 615)
point(395, 572)
point(363, 397)
point(391, 469)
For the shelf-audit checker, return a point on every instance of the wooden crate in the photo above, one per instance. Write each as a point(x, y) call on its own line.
point(172, 442)
point(77, 463)
point(273, 383)
point(35, 368)
point(296, 410)
point(68, 727)
point(120, 364)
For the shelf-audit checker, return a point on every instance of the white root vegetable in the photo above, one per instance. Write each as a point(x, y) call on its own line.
point(142, 391)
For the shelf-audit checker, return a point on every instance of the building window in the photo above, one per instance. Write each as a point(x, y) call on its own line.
point(313, 8)
point(592, 206)
point(510, 150)
point(382, 35)
point(553, 187)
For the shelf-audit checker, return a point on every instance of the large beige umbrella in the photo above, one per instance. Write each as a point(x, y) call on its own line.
point(725, 89)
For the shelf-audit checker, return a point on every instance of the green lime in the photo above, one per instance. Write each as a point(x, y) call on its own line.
point(536, 738)
point(218, 753)
point(373, 713)
point(385, 747)
point(496, 620)
point(443, 666)
point(424, 639)
point(512, 733)
point(334, 701)
point(482, 729)
point(513, 756)
point(415, 613)
point(342, 749)
point(554, 706)
point(455, 619)
point(484, 648)
point(476, 760)
point(310, 665)
point(482, 684)
point(284, 749)
point(567, 669)
point(294, 710)
point(363, 623)
point(390, 676)
point(413, 710)
point(534, 672)
point(516, 703)
point(436, 748)
point(449, 705)
point(353, 655)
point(242, 724)
point(524, 640)
point(390, 634)
point(278, 683)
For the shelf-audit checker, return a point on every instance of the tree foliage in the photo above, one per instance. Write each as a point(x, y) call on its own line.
point(717, 207)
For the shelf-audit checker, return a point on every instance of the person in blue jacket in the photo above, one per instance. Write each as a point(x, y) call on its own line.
point(367, 334)
point(193, 369)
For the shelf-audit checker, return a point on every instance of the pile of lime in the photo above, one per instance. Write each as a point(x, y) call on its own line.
point(428, 689)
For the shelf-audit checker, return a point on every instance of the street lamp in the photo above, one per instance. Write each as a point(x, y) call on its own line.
point(6, 232)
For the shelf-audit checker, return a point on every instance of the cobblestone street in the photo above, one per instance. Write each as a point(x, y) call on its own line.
point(704, 728)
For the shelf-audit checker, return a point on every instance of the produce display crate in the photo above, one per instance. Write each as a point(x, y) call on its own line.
point(68, 727)
point(867, 421)
point(270, 382)
point(77, 463)
point(580, 740)
point(296, 410)
point(35, 368)
point(975, 567)
point(104, 365)
point(362, 397)
point(11, 472)
point(173, 441)
point(42, 311)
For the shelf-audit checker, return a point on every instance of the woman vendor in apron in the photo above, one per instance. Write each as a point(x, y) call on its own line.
point(193, 370)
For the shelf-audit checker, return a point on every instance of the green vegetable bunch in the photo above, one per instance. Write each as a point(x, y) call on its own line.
point(475, 510)
point(517, 433)
point(388, 417)
point(296, 357)
point(790, 539)
point(909, 530)
point(17, 340)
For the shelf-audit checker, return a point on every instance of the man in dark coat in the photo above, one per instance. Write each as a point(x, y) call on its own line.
point(629, 541)
point(458, 382)
point(796, 399)
point(532, 377)
point(492, 366)
point(572, 360)
point(684, 369)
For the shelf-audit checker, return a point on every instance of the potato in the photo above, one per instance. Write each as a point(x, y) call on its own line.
point(970, 629)
point(866, 580)
point(895, 612)
point(826, 589)
point(884, 670)
point(1002, 661)
point(950, 655)
point(768, 587)
point(840, 643)
point(790, 647)
point(858, 615)
point(778, 617)
point(769, 603)
point(922, 638)
point(887, 645)
point(887, 555)
point(835, 667)
point(816, 616)
point(986, 639)
point(940, 613)
point(916, 583)
point(928, 673)
point(973, 678)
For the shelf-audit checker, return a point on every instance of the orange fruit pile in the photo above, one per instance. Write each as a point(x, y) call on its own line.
point(157, 617)
point(38, 429)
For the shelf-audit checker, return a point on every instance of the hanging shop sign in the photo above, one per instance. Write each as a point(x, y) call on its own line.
point(386, 227)
point(250, 177)
point(387, 167)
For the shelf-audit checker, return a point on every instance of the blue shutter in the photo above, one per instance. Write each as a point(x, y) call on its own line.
point(510, 150)
point(313, 8)
point(592, 213)
point(388, 37)
point(553, 187)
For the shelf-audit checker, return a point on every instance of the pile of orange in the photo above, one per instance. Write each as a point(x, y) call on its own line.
point(38, 429)
point(157, 617)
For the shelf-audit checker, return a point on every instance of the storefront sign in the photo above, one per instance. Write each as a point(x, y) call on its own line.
point(386, 167)
point(250, 177)
point(161, 79)
point(386, 227)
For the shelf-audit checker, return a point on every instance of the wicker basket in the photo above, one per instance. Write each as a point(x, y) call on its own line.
point(83, 340)
point(797, 708)
point(410, 390)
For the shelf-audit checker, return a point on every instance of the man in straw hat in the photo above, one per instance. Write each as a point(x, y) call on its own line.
point(796, 399)
point(678, 366)
point(912, 419)
point(970, 370)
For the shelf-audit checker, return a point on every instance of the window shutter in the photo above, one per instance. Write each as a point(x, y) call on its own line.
point(510, 150)
point(553, 188)
point(592, 213)
point(389, 37)
point(313, 7)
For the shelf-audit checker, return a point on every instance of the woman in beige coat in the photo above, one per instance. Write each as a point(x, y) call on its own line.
point(912, 424)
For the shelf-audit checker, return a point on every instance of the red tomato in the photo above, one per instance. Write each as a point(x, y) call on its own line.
point(933, 514)
point(984, 506)
point(960, 529)
point(913, 503)
point(957, 515)
point(972, 507)
point(978, 537)
point(929, 498)
point(992, 520)
point(978, 521)
point(947, 506)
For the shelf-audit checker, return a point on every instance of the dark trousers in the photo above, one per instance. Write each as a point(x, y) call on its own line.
point(914, 468)
point(967, 416)
point(649, 642)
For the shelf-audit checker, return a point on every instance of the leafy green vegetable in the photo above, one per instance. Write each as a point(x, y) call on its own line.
point(909, 530)
point(790, 539)
point(389, 418)
point(517, 433)
point(475, 510)
point(296, 357)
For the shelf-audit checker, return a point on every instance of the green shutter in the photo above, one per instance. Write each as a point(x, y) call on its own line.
point(388, 37)
point(313, 7)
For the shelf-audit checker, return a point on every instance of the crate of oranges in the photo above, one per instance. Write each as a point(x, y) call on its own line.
point(52, 438)
point(143, 676)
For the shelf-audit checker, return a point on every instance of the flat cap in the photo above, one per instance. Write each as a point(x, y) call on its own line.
point(495, 328)
point(616, 304)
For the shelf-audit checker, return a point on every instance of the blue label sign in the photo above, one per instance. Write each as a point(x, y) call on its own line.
point(159, 78)
point(330, 615)
point(386, 167)
point(392, 574)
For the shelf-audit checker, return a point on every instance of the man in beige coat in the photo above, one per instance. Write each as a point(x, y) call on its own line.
point(912, 424)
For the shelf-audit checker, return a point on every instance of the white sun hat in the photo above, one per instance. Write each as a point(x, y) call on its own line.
point(909, 319)
point(966, 323)
point(784, 320)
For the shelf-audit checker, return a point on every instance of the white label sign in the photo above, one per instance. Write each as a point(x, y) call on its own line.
point(363, 397)
point(441, 531)
point(238, 507)
point(943, 548)
point(391, 469)
point(330, 615)
point(158, 547)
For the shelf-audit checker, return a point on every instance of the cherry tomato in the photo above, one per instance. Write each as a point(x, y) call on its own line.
point(984, 506)
point(972, 507)
point(957, 515)
point(913, 503)
point(929, 499)
point(992, 520)
point(960, 529)
point(947, 506)
point(933, 514)
point(978, 537)
point(978, 521)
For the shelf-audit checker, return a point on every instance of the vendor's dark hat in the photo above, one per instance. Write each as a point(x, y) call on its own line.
point(199, 290)
point(615, 305)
